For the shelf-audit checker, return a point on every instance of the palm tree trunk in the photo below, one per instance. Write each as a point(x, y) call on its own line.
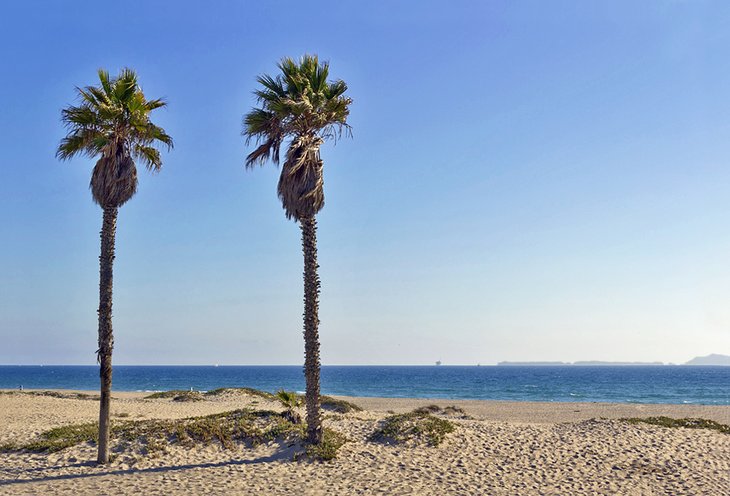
point(311, 325)
point(106, 336)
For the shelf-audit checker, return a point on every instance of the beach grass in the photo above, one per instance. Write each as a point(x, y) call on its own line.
point(328, 403)
point(184, 395)
point(246, 390)
point(229, 429)
point(451, 410)
point(332, 441)
point(688, 423)
point(189, 396)
point(338, 406)
point(417, 426)
point(57, 439)
point(249, 427)
point(56, 394)
point(165, 394)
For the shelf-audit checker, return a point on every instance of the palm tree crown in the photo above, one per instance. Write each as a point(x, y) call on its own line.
point(113, 121)
point(302, 106)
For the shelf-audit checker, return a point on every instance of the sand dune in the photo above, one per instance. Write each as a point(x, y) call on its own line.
point(504, 448)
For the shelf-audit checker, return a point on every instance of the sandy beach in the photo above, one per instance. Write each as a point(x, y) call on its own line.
point(496, 448)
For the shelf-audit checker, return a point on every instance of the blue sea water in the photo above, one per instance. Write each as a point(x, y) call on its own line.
point(620, 384)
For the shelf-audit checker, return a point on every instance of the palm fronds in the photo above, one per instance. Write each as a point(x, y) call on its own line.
point(112, 121)
point(300, 106)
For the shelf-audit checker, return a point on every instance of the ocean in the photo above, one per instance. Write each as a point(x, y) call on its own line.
point(619, 384)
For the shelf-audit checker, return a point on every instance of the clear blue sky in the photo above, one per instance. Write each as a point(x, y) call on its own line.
point(527, 181)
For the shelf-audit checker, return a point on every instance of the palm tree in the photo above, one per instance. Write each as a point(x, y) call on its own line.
point(111, 122)
point(301, 106)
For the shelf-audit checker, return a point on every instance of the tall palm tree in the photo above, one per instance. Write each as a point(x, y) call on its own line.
point(300, 105)
point(111, 122)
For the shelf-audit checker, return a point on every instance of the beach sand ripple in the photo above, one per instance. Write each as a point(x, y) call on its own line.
point(503, 449)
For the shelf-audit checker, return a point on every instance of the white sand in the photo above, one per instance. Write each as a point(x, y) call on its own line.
point(508, 448)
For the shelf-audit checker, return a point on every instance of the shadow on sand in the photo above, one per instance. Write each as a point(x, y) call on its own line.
point(281, 454)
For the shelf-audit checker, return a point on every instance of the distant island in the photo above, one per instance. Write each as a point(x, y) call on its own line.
point(598, 362)
point(713, 359)
point(579, 363)
point(533, 363)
